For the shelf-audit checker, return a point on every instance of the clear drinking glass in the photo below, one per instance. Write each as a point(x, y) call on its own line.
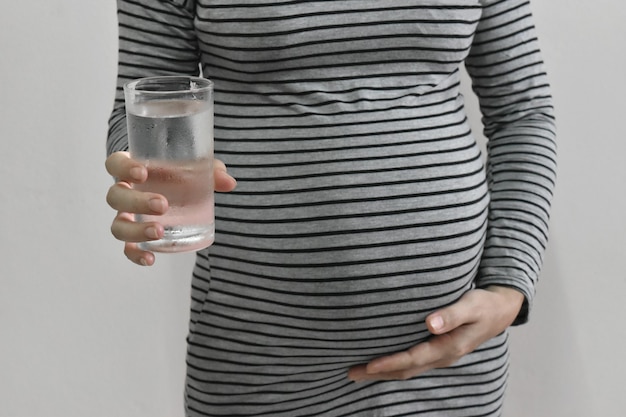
point(170, 130)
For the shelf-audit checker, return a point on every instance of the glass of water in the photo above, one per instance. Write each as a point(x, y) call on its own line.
point(170, 130)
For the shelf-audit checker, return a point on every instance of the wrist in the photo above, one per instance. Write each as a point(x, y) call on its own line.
point(511, 299)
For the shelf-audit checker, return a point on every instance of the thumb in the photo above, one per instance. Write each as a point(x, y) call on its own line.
point(451, 317)
point(224, 182)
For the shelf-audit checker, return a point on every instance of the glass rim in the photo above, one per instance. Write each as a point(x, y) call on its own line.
point(204, 84)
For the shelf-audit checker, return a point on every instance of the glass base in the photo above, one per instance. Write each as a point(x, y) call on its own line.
point(181, 239)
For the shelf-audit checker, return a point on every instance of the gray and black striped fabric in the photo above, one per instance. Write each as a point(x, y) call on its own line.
point(363, 201)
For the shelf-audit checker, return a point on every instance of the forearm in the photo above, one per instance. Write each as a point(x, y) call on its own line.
point(509, 79)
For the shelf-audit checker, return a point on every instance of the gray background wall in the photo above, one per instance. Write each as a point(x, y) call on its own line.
point(84, 332)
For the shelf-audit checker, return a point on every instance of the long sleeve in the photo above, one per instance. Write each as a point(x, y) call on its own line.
point(155, 38)
point(509, 79)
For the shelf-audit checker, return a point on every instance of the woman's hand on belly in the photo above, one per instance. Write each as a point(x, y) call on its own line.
point(459, 329)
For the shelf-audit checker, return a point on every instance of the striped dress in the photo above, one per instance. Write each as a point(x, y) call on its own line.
point(363, 201)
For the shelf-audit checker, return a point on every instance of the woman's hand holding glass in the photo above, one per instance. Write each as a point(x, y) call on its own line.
point(128, 202)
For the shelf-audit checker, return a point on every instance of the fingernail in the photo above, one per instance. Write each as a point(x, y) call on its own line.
point(152, 233)
point(136, 173)
point(143, 261)
point(157, 205)
point(436, 323)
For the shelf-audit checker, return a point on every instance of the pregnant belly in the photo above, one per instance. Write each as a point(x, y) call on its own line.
point(345, 267)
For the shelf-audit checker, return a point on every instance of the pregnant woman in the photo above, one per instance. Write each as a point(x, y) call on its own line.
point(370, 259)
